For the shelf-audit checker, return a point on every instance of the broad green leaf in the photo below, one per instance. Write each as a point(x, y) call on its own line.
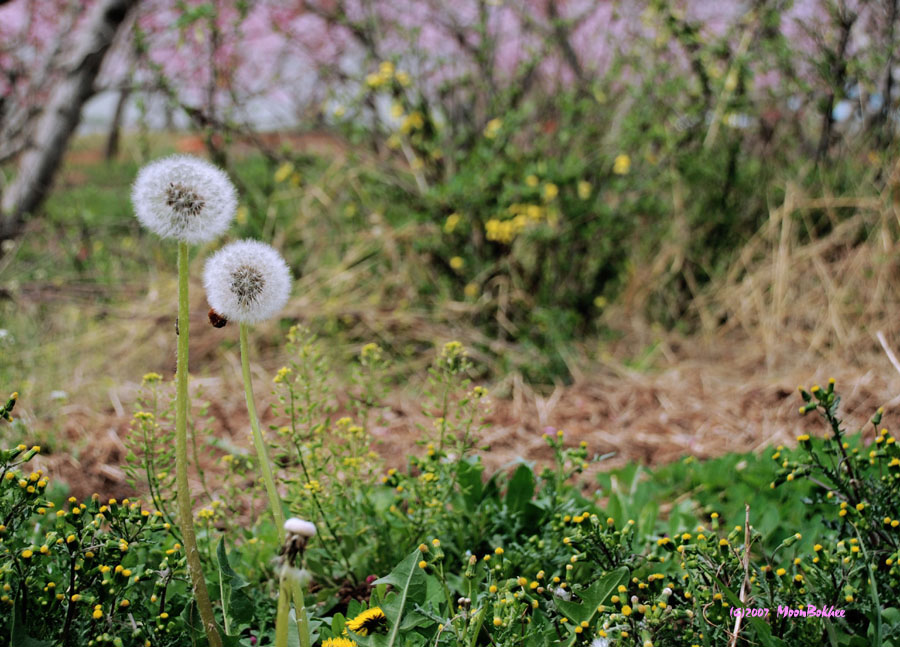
point(521, 488)
point(409, 588)
point(469, 475)
point(593, 596)
point(293, 634)
point(241, 607)
point(337, 624)
point(228, 575)
point(236, 604)
point(18, 636)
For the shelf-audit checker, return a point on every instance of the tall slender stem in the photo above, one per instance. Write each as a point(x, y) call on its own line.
point(284, 609)
point(294, 589)
point(259, 443)
point(300, 607)
point(186, 517)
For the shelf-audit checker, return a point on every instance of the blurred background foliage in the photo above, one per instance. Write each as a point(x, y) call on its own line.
point(540, 179)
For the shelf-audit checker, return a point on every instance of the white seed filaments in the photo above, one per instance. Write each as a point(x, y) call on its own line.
point(247, 284)
point(247, 281)
point(185, 198)
point(184, 201)
point(300, 527)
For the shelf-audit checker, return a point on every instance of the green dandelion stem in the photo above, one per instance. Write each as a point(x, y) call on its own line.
point(264, 465)
point(284, 608)
point(186, 518)
point(300, 606)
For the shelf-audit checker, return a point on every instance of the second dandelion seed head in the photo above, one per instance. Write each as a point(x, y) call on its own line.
point(247, 281)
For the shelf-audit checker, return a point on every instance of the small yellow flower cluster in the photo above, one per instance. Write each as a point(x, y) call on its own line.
point(371, 353)
point(412, 121)
point(451, 223)
point(622, 164)
point(493, 127)
point(313, 486)
point(523, 215)
point(503, 231)
point(281, 376)
point(386, 73)
point(453, 351)
point(287, 171)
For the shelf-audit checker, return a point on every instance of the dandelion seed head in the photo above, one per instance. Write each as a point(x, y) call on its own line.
point(247, 281)
point(302, 527)
point(185, 198)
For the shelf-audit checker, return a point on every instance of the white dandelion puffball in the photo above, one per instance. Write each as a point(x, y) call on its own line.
point(185, 198)
point(247, 281)
point(295, 526)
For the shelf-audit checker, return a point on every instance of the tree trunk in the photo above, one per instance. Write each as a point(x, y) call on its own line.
point(57, 122)
point(115, 127)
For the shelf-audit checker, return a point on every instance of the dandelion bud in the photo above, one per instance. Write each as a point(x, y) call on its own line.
point(185, 198)
point(295, 526)
point(247, 281)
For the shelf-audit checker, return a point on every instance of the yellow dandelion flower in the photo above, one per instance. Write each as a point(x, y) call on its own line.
point(367, 621)
point(338, 642)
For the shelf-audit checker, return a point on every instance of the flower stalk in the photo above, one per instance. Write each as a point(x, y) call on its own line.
point(296, 533)
point(284, 609)
point(291, 588)
point(258, 442)
point(300, 607)
point(186, 517)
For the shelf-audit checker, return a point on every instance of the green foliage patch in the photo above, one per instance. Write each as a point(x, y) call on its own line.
point(441, 553)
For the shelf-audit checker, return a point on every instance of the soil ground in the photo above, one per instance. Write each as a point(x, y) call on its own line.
point(700, 405)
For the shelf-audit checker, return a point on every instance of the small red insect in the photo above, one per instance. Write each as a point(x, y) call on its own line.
point(217, 320)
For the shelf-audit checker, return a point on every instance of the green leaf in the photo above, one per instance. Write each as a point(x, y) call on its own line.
point(468, 473)
point(521, 489)
point(231, 641)
point(18, 636)
point(409, 588)
point(293, 634)
point(241, 607)
point(337, 624)
point(228, 575)
point(593, 596)
point(236, 605)
point(891, 617)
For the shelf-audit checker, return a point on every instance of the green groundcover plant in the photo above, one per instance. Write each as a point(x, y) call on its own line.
point(440, 553)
